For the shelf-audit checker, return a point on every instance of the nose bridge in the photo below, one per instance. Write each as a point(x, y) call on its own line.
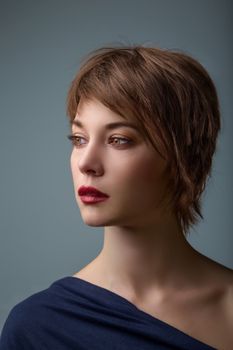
point(90, 158)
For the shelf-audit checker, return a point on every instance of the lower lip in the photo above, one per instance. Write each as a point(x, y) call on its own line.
point(92, 200)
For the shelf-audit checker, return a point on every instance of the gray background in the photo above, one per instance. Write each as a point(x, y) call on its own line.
point(42, 234)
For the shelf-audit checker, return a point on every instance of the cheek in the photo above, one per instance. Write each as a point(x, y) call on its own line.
point(142, 179)
point(72, 162)
point(145, 170)
point(73, 165)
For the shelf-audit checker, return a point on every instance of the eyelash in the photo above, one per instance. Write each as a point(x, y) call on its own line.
point(74, 138)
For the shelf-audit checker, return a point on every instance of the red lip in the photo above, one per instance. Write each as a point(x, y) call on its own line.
point(91, 191)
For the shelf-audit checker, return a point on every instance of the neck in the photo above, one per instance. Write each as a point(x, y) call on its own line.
point(144, 258)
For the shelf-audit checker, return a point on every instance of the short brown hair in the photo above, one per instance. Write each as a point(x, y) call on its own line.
point(175, 102)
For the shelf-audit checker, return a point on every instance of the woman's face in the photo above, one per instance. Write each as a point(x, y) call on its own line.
point(117, 161)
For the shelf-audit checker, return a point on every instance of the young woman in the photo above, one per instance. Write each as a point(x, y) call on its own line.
point(144, 124)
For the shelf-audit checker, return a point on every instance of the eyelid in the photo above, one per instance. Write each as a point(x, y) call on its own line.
point(72, 138)
point(76, 134)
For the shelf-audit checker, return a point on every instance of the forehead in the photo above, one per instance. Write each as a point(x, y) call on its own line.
point(98, 112)
point(91, 105)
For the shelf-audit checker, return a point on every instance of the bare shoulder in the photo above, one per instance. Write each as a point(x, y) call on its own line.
point(217, 282)
point(218, 277)
point(213, 269)
point(224, 305)
point(224, 280)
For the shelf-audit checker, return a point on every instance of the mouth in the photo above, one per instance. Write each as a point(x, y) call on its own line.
point(91, 195)
point(92, 199)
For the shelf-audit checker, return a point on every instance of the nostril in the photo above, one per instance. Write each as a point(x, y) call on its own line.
point(95, 169)
point(91, 171)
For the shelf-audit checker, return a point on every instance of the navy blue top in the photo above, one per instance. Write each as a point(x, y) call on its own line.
point(77, 315)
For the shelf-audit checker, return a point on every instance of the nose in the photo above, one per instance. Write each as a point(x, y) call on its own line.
point(90, 160)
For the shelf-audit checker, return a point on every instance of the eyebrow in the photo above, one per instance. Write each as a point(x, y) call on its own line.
point(109, 126)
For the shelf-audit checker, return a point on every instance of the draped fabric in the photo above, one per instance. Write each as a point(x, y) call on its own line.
point(77, 315)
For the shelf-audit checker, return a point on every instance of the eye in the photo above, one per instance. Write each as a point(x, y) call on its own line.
point(119, 141)
point(115, 141)
point(75, 139)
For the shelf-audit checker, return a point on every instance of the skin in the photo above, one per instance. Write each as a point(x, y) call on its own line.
point(145, 257)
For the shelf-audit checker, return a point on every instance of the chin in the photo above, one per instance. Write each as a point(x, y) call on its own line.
point(93, 220)
point(102, 217)
point(98, 221)
point(93, 223)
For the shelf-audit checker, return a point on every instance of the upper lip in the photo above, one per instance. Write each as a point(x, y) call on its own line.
point(92, 191)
